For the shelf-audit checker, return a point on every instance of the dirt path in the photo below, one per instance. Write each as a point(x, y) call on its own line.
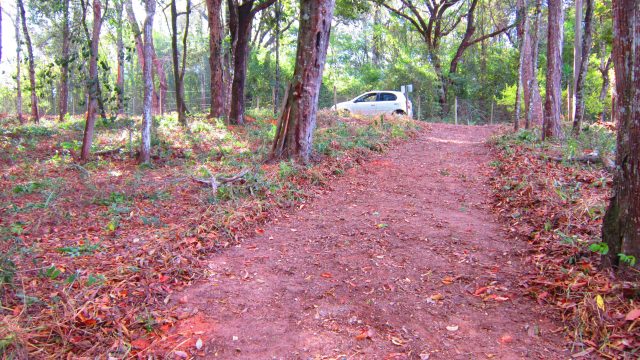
point(401, 260)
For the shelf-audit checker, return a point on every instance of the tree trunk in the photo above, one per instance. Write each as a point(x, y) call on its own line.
point(276, 80)
point(92, 82)
point(147, 75)
point(178, 74)
point(64, 63)
point(32, 67)
point(584, 64)
point(216, 60)
point(18, 75)
point(605, 66)
point(621, 224)
point(120, 55)
point(553, 102)
point(531, 89)
point(523, 35)
point(577, 59)
point(240, 36)
point(294, 136)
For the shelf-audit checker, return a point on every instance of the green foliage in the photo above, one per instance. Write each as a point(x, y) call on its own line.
point(86, 248)
point(627, 259)
point(600, 248)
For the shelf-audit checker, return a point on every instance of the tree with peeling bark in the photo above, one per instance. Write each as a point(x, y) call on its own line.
point(35, 115)
point(145, 143)
point(294, 134)
point(216, 60)
point(92, 82)
point(241, 15)
point(553, 102)
point(583, 67)
point(178, 71)
point(621, 224)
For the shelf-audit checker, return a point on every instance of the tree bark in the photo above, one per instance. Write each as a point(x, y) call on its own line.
point(63, 99)
point(553, 102)
point(605, 66)
point(523, 34)
point(294, 135)
point(276, 80)
point(92, 82)
point(18, 75)
point(216, 61)
point(178, 73)
point(147, 75)
point(241, 18)
point(120, 55)
point(621, 224)
point(32, 67)
point(577, 58)
point(533, 106)
point(584, 64)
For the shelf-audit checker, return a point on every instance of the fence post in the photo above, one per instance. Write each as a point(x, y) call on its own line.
point(491, 118)
point(455, 109)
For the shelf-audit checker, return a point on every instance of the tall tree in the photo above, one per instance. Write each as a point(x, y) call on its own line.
point(18, 66)
point(434, 24)
point(523, 33)
point(32, 67)
point(147, 75)
point(584, 64)
point(120, 55)
point(63, 99)
point(294, 135)
point(533, 101)
point(553, 102)
point(89, 38)
point(577, 59)
point(216, 61)
point(92, 82)
point(276, 79)
point(240, 21)
point(621, 224)
point(178, 72)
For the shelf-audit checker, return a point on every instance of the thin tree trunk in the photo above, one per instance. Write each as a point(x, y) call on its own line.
point(523, 35)
point(216, 60)
point(605, 66)
point(63, 100)
point(621, 224)
point(178, 73)
point(534, 101)
point(577, 59)
point(18, 66)
point(32, 67)
point(120, 50)
point(553, 102)
point(294, 135)
point(92, 82)
point(145, 144)
point(584, 64)
point(276, 80)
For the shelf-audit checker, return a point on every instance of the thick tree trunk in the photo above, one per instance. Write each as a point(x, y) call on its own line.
point(178, 74)
point(63, 99)
point(147, 75)
point(242, 31)
point(294, 136)
point(621, 225)
point(531, 89)
point(553, 102)
point(216, 61)
point(120, 55)
point(92, 82)
point(32, 67)
point(584, 64)
point(18, 75)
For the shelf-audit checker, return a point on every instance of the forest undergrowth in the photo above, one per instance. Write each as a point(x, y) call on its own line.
point(557, 205)
point(90, 253)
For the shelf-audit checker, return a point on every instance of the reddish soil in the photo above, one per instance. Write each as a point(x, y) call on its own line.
point(401, 259)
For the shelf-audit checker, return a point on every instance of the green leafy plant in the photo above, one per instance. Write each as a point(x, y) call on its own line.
point(601, 248)
point(627, 259)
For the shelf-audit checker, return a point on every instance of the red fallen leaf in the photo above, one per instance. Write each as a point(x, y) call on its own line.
point(326, 275)
point(500, 298)
point(632, 315)
point(506, 339)
point(396, 355)
point(17, 310)
point(260, 231)
point(163, 278)
point(480, 291)
point(140, 343)
point(365, 333)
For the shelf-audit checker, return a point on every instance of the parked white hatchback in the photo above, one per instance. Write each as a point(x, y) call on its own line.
point(377, 103)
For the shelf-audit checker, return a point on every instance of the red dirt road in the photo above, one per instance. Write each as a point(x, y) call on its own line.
point(402, 259)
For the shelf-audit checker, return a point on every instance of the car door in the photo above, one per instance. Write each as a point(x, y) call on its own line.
point(365, 104)
point(387, 103)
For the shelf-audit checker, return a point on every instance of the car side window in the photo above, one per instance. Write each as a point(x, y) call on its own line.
point(387, 97)
point(367, 98)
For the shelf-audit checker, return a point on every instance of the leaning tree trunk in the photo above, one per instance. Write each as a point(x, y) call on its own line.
point(584, 64)
point(120, 55)
point(93, 83)
point(64, 68)
point(216, 60)
point(553, 102)
point(147, 76)
point(32, 67)
point(294, 135)
point(621, 224)
point(18, 75)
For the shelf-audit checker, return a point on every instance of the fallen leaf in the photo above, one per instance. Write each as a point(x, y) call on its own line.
point(506, 339)
point(199, 344)
point(447, 280)
point(140, 343)
point(452, 328)
point(397, 341)
point(481, 290)
point(632, 315)
point(600, 302)
point(181, 354)
point(365, 333)
point(437, 297)
point(326, 275)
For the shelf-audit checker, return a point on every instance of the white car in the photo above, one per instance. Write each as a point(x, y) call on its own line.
point(377, 103)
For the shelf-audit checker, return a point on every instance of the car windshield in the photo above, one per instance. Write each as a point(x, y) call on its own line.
point(367, 97)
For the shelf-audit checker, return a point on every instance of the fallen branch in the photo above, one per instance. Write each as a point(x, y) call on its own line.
point(591, 158)
point(109, 151)
point(216, 182)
